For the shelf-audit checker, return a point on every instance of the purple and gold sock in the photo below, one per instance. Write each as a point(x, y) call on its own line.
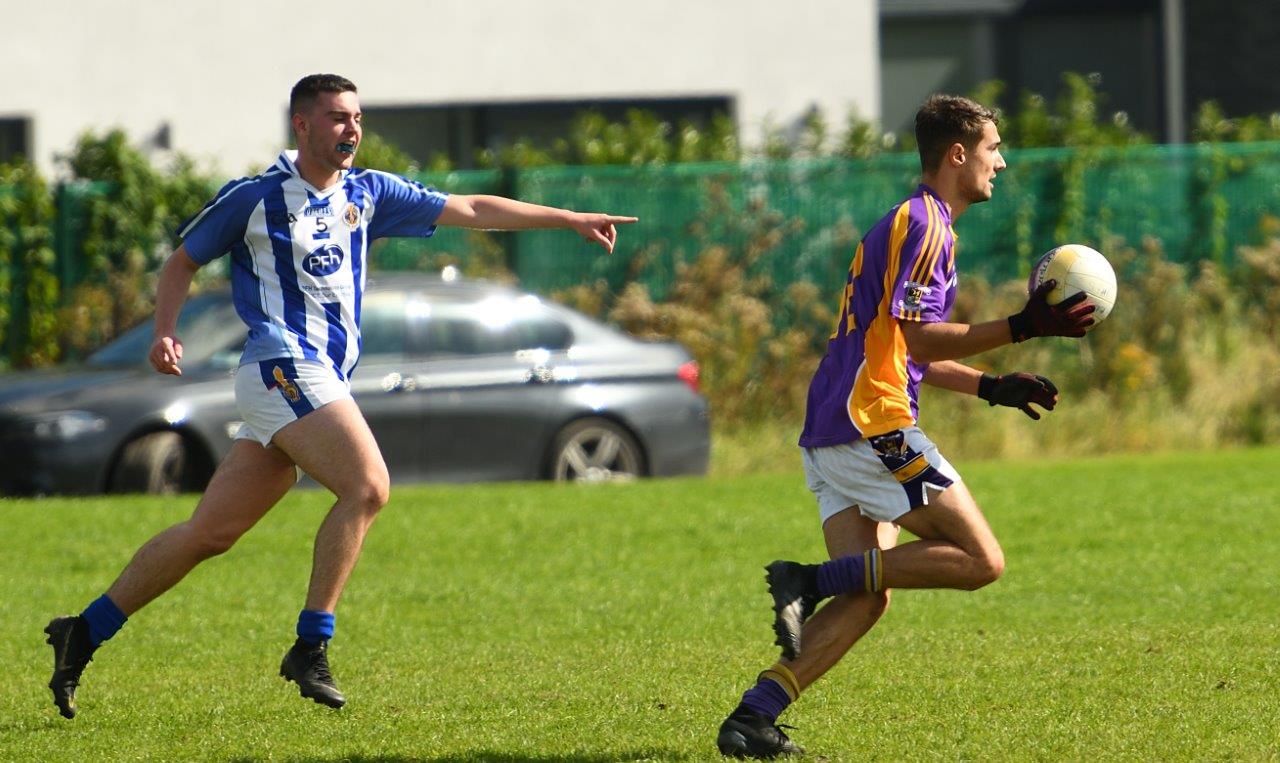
point(775, 689)
point(850, 574)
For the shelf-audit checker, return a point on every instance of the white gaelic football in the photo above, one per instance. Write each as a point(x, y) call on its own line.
point(1077, 268)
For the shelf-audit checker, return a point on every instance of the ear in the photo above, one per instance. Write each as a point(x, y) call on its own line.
point(956, 155)
point(299, 124)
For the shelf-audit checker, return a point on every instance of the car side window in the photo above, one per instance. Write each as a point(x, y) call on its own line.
point(543, 332)
point(383, 328)
point(460, 330)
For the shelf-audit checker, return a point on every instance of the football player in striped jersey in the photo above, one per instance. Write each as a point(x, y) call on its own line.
point(297, 235)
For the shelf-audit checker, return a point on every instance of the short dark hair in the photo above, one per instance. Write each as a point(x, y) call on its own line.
point(309, 87)
point(945, 120)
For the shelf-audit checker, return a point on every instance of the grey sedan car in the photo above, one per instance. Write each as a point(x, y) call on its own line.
point(460, 381)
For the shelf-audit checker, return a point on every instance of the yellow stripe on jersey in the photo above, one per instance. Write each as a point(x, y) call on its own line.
point(845, 319)
point(878, 401)
point(937, 248)
point(931, 231)
point(897, 237)
point(920, 273)
point(938, 242)
point(851, 323)
point(951, 255)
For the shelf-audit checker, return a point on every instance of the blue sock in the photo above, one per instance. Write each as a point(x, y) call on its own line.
point(315, 626)
point(767, 698)
point(105, 619)
point(849, 574)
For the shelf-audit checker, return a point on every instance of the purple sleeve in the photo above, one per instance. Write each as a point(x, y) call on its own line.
point(920, 288)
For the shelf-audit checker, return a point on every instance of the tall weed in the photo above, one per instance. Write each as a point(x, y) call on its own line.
point(1187, 359)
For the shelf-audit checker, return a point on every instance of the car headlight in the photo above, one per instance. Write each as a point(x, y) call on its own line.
point(64, 425)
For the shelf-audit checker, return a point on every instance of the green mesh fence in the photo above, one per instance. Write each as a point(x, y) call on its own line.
point(417, 254)
point(802, 219)
point(72, 201)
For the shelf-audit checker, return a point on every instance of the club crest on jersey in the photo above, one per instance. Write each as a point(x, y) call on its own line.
point(287, 388)
point(914, 294)
point(323, 261)
point(351, 216)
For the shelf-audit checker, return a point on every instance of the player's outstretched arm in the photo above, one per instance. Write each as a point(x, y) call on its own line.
point(931, 342)
point(499, 213)
point(171, 292)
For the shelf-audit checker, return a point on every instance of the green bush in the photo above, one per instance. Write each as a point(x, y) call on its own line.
point(29, 288)
point(127, 231)
point(748, 278)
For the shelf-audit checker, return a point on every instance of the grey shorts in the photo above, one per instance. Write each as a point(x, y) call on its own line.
point(884, 476)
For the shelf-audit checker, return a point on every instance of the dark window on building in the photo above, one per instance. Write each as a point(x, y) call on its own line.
point(15, 138)
point(460, 130)
point(930, 46)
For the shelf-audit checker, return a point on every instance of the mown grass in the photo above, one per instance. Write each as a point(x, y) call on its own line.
point(1136, 620)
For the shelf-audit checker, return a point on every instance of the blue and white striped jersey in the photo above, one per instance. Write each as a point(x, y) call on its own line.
point(298, 254)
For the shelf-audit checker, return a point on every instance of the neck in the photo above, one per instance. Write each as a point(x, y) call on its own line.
point(947, 190)
point(315, 172)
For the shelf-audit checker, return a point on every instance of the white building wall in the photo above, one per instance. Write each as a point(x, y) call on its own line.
point(219, 71)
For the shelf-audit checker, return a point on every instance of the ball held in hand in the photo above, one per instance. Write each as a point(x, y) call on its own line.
point(1077, 268)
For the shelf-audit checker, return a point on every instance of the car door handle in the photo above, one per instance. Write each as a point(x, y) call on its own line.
point(540, 375)
point(396, 382)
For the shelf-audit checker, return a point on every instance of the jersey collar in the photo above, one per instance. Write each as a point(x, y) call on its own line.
point(922, 189)
point(286, 163)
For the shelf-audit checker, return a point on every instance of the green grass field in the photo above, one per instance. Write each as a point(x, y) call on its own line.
point(1137, 620)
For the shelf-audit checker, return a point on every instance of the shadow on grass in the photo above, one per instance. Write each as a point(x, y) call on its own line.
point(491, 756)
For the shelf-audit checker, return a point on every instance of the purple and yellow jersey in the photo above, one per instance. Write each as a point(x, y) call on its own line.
point(904, 270)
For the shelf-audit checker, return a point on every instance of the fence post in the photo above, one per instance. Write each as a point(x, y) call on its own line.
point(509, 186)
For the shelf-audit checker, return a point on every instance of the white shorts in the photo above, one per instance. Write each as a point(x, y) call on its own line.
point(884, 476)
point(273, 393)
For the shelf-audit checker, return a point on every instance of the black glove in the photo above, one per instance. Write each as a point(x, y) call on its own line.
point(1019, 391)
point(1070, 317)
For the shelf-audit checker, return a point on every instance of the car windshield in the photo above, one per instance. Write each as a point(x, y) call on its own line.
point(208, 326)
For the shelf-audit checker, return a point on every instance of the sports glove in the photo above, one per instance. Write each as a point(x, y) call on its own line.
point(1019, 391)
point(1070, 317)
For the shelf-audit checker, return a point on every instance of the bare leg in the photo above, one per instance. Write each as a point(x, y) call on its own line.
point(248, 482)
point(751, 730)
point(957, 548)
point(334, 446)
point(838, 625)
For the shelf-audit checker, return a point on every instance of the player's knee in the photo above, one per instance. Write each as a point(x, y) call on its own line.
point(374, 492)
point(209, 542)
point(988, 566)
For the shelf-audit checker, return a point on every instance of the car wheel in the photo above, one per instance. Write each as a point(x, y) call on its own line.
point(595, 450)
point(153, 463)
